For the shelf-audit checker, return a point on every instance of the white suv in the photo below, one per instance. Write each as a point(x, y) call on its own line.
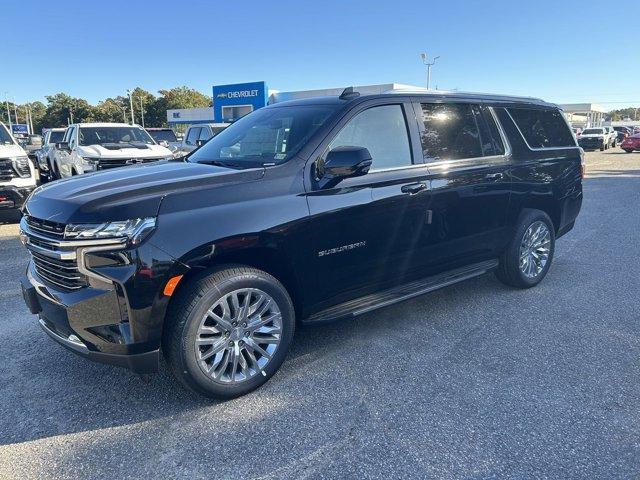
point(17, 175)
point(89, 147)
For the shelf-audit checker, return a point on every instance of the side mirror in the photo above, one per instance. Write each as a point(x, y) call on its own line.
point(163, 143)
point(345, 162)
point(199, 143)
point(63, 146)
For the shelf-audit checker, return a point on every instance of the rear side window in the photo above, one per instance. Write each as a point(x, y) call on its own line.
point(204, 134)
point(456, 131)
point(543, 128)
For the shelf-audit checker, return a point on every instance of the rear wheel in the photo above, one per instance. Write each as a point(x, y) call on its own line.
point(229, 331)
point(628, 150)
point(528, 257)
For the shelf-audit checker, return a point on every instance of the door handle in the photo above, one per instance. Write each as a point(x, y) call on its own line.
point(413, 188)
point(494, 176)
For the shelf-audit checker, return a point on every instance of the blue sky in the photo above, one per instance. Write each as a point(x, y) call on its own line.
point(562, 51)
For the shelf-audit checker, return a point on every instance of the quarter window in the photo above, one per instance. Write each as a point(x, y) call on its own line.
point(491, 139)
point(383, 131)
point(543, 128)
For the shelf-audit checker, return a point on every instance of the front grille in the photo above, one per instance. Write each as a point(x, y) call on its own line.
point(61, 273)
point(6, 170)
point(54, 264)
point(46, 227)
point(107, 163)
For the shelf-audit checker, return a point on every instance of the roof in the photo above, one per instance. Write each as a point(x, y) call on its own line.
point(430, 94)
point(105, 124)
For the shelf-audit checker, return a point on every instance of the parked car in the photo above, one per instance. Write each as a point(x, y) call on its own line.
point(17, 175)
point(303, 211)
point(622, 133)
point(595, 138)
point(631, 143)
point(45, 156)
point(165, 137)
point(196, 135)
point(613, 136)
point(31, 144)
point(89, 147)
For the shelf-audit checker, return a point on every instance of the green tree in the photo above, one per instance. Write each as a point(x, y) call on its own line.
point(63, 109)
point(178, 97)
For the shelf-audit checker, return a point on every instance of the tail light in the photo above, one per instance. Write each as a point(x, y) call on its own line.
point(583, 166)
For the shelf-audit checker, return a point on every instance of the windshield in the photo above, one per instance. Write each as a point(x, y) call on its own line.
point(592, 131)
point(160, 135)
point(56, 137)
point(5, 138)
point(114, 135)
point(266, 136)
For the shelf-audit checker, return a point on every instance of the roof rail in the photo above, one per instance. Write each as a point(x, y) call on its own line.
point(424, 91)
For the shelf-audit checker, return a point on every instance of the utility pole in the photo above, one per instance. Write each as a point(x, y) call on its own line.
point(425, 60)
point(142, 111)
point(133, 118)
point(6, 101)
point(124, 115)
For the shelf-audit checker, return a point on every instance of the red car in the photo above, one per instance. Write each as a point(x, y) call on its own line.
point(631, 143)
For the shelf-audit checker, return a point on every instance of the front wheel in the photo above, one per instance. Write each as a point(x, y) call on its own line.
point(528, 257)
point(228, 332)
point(628, 150)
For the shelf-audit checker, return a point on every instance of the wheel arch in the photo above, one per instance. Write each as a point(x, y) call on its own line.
point(268, 259)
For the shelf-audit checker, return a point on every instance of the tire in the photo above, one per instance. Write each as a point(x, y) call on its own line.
point(614, 144)
point(603, 147)
point(628, 150)
point(510, 271)
point(189, 320)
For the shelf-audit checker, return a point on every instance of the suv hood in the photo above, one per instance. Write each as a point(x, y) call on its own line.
point(125, 193)
point(11, 151)
point(98, 151)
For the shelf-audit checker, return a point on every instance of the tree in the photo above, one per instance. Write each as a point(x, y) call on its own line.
point(63, 109)
point(112, 110)
point(178, 97)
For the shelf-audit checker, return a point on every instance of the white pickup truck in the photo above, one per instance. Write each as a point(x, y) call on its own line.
point(89, 147)
point(17, 175)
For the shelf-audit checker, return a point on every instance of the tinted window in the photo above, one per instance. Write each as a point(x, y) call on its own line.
point(593, 131)
point(56, 137)
point(192, 136)
point(266, 136)
point(204, 134)
point(160, 135)
point(113, 136)
point(383, 131)
point(543, 128)
point(5, 138)
point(451, 132)
point(490, 139)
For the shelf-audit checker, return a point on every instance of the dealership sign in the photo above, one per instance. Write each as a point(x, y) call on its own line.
point(232, 101)
point(20, 128)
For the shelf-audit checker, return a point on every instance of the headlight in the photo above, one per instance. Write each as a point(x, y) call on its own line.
point(89, 163)
point(136, 230)
point(21, 166)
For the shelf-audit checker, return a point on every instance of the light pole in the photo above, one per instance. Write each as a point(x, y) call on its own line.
point(428, 64)
point(133, 118)
point(6, 101)
point(142, 111)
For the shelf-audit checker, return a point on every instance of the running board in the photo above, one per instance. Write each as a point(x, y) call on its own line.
point(374, 301)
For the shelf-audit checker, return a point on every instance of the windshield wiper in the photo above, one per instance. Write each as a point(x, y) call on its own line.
point(221, 163)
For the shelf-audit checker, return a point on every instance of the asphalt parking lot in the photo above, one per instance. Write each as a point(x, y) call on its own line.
point(474, 381)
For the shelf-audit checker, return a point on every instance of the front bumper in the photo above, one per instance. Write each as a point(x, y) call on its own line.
point(14, 197)
point(591, 144)
point(79, 321)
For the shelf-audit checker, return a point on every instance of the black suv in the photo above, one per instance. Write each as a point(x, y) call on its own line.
point(304, 211)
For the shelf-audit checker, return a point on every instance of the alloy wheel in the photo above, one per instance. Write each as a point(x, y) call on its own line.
point(535, 249)
point(238, 335)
